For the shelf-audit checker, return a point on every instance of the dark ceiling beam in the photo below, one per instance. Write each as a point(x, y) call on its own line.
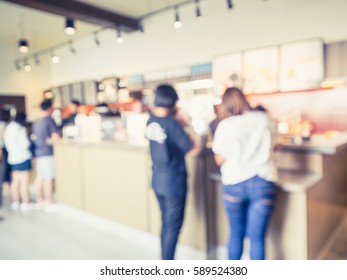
point(82, 12)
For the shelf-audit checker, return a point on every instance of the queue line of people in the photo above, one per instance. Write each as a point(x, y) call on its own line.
point(18, 152)
point(242, 145)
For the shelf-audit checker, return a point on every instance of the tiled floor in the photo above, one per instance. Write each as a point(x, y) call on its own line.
point(69, 233)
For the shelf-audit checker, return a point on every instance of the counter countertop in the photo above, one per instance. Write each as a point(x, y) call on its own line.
point(319, 144)
point(289, 181)
point(101, 144)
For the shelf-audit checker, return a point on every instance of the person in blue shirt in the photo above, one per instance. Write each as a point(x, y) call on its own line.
point(169, 143)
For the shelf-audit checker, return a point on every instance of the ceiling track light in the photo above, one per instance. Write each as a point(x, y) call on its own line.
point(70, 26)
point(55, 58)
point(17, 65)
point(23, 45)
point(178, 23)
point(198, 14)
point(230, 4)
point(120, 39)
point(140, 26)
point(27, 67)
point(96, 39)
point(72, 49)
point(36, 59)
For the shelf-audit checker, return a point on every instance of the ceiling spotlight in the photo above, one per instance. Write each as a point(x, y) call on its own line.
point(96, 39)
point(70, 26)
point(23, 45)
point(178, 23)
point(140, 26)
point(55, 58)
point(36, 58)
point(230, 4)
point(27, 67)
point(72, 49)
point(198, 14)
point(17, 65)
point(120, 39)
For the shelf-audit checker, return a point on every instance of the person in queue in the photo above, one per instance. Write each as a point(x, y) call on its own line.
point(73, 111)
point(44, 129)
point(18, 145)
point(169, 143)
point(243, 148)
point(5, 167)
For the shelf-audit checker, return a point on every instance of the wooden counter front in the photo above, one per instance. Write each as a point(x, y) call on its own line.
point(114, 181)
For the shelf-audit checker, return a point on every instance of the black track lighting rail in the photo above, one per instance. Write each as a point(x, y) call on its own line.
point(167, 8)
point(82, 12)
point(120, 23)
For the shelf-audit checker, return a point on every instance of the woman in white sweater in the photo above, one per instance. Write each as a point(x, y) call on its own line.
point(243, 148)
point(18, 144)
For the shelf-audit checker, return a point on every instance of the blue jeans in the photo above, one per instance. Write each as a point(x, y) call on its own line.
point(172, 213)
point(249, 205)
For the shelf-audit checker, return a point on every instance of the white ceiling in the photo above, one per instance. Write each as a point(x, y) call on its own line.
point(45, 30)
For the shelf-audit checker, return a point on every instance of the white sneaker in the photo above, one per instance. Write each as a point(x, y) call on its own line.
point(15, 205)
point(26, 207)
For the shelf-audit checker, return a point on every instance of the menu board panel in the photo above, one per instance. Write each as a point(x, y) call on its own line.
point(65, 94)
point(89, 92)
point(261, 69)
point(301, 65)
point(76, 92)
point(226, 72)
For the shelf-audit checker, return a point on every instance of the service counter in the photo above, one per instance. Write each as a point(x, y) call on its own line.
point(113, 180)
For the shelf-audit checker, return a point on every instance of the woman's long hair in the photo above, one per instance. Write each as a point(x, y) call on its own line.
point(234, 103)
point(20, 118)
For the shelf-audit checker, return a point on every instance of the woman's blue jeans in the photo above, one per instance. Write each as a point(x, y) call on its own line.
point(172, 213)
point(249, 205)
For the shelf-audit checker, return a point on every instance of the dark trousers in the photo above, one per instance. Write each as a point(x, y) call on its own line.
point(172, 213)
point(5, 171)
point(6, 176)
point(2, 169)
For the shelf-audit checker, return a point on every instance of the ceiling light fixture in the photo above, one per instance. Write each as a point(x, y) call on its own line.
point(120, 39)
point(55, 58)
point(27, 67)
point(96, 39)
point(198, 14)
point(23, 45)
point(37, 60)
point(178, 23)
point(17, 65)
point(230, 4)
point(70, 26)
point(140, 27)
point(72, 49)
